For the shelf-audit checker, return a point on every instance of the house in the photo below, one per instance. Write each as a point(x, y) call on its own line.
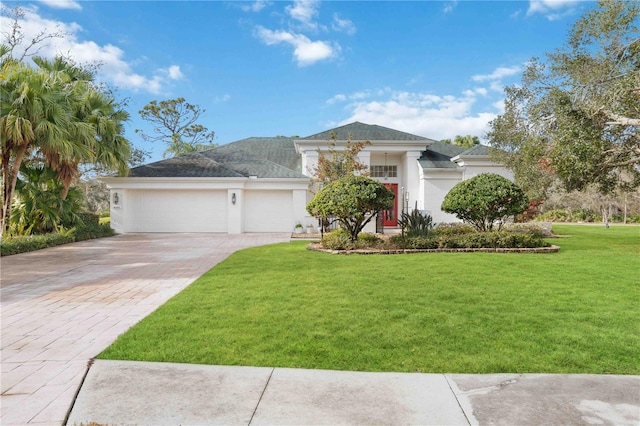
point(263, 184)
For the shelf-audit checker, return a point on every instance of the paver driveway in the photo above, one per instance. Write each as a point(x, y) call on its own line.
point(64, 305)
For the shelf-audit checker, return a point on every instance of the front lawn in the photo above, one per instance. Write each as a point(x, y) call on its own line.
point(576, 311)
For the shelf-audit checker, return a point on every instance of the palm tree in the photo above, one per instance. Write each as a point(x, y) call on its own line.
point(33, 111)
point(55, 114)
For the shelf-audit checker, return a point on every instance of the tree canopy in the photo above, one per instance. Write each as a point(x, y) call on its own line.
point(575, 117)
point(175, 122)
point(467, 141)
point(340, 162)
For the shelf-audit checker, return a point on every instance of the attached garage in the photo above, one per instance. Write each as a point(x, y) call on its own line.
point(176, 210)
point(268, 210)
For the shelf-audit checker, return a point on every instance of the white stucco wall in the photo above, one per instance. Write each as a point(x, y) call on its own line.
point(437, 184)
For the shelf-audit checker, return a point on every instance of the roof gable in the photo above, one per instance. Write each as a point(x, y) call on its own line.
point(361, 132)
point(438, 156)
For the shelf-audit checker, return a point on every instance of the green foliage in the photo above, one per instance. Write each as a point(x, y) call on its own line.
point(54, 114)
point(25, 243)
point(415, 224)
point(340, 163)
point(89, 219)
point(485, 199)
point(175, 125)
point(341, 240)
point(576, 114)
point(337, 240)
point(467, 141)
point(353, 201)
point(38, 206)
point(454, 228)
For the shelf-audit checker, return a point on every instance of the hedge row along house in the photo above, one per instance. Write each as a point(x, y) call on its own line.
point(263, 184)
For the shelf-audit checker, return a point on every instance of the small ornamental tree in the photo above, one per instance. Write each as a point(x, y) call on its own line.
point(352, 200)
point(484, 200)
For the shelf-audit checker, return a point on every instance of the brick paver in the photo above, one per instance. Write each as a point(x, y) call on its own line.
point(62, 306)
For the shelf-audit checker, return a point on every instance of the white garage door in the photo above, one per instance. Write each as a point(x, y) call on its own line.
point(177, 211)
point(268, 211)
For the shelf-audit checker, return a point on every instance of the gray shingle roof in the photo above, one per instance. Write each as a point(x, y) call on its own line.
point(261, 157)
point(479, 150)
point(365, 132)
point(438, 156)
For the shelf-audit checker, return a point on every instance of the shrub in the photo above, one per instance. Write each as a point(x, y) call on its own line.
point(529, 228)
point(367, 239)
point(337, 240)
point(554, 216)
point(88, 219)
point(499, 239)
point(485, 199)
point(455, 228)
point(23, 244)
point(415, 224)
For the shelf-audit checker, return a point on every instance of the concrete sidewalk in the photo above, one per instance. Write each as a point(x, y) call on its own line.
point(142, 393)
point(63, 305)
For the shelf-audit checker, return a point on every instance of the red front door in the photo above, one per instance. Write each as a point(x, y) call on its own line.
point(391, 214)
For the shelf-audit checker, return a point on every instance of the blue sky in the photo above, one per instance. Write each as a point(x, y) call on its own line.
point(266, 68)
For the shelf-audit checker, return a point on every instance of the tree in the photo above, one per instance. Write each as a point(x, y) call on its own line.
point(485, 199)
point(467, 141)
point(352, 200)
point(340, 163)
point(576, 115)
point(175, 121)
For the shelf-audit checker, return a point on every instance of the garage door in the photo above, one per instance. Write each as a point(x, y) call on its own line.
point(177, 211)
point(268, 211)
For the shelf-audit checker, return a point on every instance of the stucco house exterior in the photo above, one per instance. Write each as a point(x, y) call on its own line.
point(263, 184)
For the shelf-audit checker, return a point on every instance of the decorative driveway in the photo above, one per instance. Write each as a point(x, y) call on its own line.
point(62, 306)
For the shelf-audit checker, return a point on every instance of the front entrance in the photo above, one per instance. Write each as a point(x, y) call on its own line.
point(391, 214)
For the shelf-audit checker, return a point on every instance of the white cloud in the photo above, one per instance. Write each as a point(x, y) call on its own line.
point(552, 9)
point(304, 11)
point(449, 6)
point(62, 4)
point(343, 25)
point(498, 74)
point(114, 68)
point(256, 6)
point(425, 114)
point(223, 98)
point(174, 72)
point(306, 51)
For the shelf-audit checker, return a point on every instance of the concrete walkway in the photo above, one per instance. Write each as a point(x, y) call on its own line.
point(63, 305)
point(143, 393)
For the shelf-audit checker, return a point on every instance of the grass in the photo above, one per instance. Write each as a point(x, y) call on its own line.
point(576, 311)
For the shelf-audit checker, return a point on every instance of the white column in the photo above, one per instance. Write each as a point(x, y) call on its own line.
point(412, 179)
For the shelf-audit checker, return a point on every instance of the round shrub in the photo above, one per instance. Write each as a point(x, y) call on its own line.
point(484, 200)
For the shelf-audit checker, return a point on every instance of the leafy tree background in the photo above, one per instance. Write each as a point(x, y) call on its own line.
point(175, 122)
point(575, 116)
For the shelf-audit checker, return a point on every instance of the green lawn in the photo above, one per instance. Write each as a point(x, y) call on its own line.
point(576, 311)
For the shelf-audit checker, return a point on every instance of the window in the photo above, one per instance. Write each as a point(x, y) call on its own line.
point(384, 171)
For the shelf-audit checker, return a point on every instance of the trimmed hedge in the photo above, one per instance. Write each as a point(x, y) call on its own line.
point(454, 237)
point(23, 244)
